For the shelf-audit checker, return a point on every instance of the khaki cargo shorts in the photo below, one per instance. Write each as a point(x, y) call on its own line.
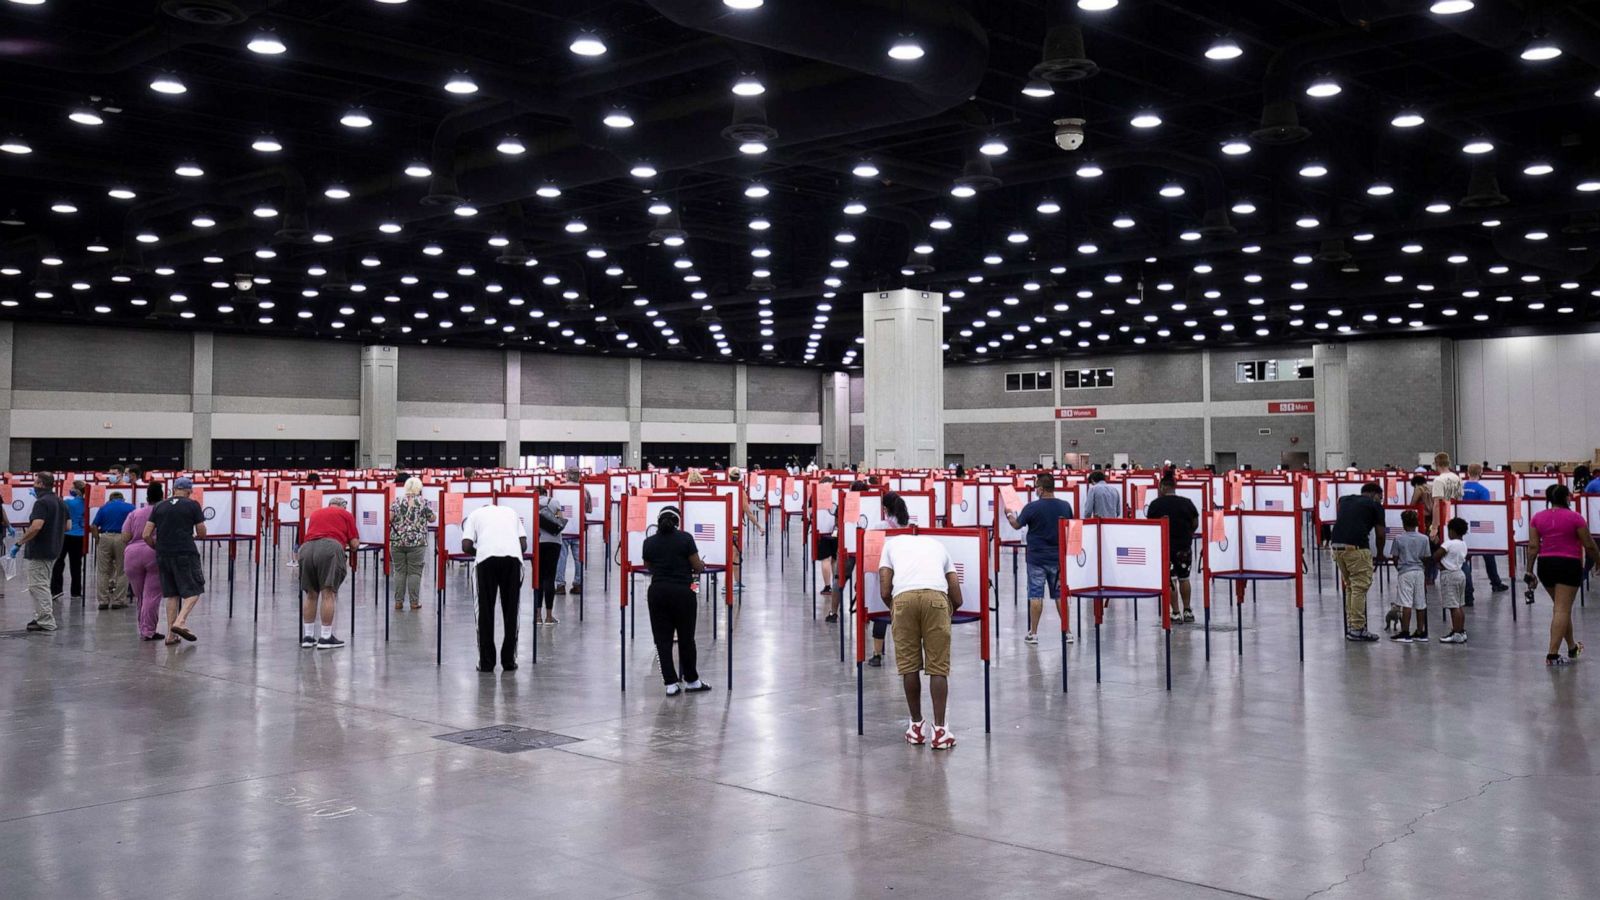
point(922, 632)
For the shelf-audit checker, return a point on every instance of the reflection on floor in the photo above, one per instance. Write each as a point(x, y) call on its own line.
point(242, 766)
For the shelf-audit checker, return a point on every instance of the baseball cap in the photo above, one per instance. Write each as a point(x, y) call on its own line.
point(183, 484)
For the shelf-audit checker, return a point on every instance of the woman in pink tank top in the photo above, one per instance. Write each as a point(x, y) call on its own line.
point(1558, 537)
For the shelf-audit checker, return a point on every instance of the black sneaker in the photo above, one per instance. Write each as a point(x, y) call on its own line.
point(1360, 635)
point(876, 661)
point(831, 617)
point(1403, 637)
point(308, 642)
point(329, 643)
point(1420, 637)
point(35, 626)
point(1500, 588)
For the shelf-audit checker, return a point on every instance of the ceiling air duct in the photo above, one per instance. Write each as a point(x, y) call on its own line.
point(1065, 58)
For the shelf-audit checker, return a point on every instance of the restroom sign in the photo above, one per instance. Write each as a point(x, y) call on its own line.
point(1078, 412)
point(1289, 407)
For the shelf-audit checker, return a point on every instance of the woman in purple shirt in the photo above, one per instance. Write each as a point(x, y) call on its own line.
point(139, 562)
point(1557, 541)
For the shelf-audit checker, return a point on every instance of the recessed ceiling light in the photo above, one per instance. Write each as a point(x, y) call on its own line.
point(1540, 48)
point(906, 48)
point(618, 118)
point(266, 43)
point(86, 116)
point(1224, 48)
point(168, 83)
point(992, 146)
point(1380, 189)
point(511, 145)
point(1478, 146)
point(266, 143)
point(1408, 118)
point(356, 118)
point(587, 43)
point(1145, 119)
point(1038, 87)
point(418, 169)
point(1236, 147)
point(460, 83)
point(1323, 86)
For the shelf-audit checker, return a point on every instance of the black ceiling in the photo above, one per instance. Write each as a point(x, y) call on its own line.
point(1318, 255)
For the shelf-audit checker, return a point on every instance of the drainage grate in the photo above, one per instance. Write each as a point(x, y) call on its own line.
point(508, 738)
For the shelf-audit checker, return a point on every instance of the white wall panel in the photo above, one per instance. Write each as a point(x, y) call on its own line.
point(285, 426)
point(48, 423)
point(1529, 397)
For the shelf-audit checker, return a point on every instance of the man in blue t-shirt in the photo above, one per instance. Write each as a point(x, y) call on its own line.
point(1474, 490)
point(1041, 518)
point(109, 548)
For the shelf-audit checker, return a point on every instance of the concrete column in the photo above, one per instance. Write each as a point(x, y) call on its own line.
point(511, 453)
point(741, 416)
point(634, 453)
point(1205, 403)
point(380, 408)
point(1332, 395)
point(1055, 381)
point(201, 403)
point(835, 420)
point(904, 389)
point(7, 351)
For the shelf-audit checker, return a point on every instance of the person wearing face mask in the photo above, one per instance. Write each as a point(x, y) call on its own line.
point(674, 563)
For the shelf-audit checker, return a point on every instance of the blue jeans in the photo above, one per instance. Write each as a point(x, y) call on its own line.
point(569, 550)
point(1489, 566)
point(1043, 582)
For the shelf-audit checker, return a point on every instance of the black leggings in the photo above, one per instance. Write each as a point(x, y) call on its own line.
point(672, 610)
point(549, 558)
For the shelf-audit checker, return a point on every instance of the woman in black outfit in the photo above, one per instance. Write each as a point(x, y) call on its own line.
point(895, 515)
point(674, 560)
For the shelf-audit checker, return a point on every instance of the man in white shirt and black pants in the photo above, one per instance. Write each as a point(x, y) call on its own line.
point(497, 541)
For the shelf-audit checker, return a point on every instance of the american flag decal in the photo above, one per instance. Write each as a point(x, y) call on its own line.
point(704, 532)
point(566, 512)
point(1392, 530)
point(369, 517)
point(246, 512)
point(1480, 527)
point(1272, 504)
point(1131, 556)
point(1271, 543)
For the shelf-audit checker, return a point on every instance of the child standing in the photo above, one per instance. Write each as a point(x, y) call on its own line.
point(1411, 550)
point(1452, 559)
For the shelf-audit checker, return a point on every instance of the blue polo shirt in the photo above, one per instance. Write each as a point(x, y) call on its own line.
point(74, 516)
point(112, 515)
point(1473, 490)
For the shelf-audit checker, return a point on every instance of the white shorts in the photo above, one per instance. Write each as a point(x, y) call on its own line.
point(1452, 588)
point(1413, 590)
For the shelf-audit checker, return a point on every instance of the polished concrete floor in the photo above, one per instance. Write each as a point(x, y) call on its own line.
point(242, 766)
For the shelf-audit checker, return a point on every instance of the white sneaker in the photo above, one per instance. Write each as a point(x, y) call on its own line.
point(943, 738)
point(1458, 637)
point(674, 689)
point(1072, 638)
point(1030, 638)
point(914, 734)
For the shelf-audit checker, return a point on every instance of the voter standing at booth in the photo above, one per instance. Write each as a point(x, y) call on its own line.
point(1183, 519)
point(493, 535)
point(330, 537)
point(1359, 516)
point(674, 561)
point(918, 581)
point(1041, 518)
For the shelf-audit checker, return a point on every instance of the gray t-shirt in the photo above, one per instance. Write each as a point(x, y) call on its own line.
point(47, 543)
point(1410, 549)
point(551, 508)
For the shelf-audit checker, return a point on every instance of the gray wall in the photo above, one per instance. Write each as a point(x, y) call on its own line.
point(1242, 435)
point(687, 385)
point(1140, 378)
point(550, 379)
point(445, 375)
point(1016, 442)
point(1147, 441)
point(1402, 400)
point(775, 389)
point(101, 360)
point(983, 385)
point(1225, 384)
point(277, 367)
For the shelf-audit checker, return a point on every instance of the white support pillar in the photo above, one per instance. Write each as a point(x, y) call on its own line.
point(380, 407)
point(1205, 403)
point(741, 416)
point(904, 365)
point(200, 400)
point(835, 421)
point(511, 453)
point(634, 454)
point(7, 361)
point(1332, 395)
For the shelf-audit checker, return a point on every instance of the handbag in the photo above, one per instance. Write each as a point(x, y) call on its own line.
point(551, 524)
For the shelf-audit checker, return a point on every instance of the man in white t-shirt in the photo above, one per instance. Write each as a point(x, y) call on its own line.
point(497, 541)
point(918, 580)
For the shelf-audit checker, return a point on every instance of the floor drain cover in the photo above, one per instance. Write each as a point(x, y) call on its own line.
point(508, 738)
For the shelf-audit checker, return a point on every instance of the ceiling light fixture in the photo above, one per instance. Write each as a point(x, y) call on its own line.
point(1540, 48)
point(1450, 7)
point(1224, 48)
point(266, 143)
point(587, 43)
point(748, 85)
point(1323, 86)
point(511, 145)
point(1038, 88)
point(1407, 118)
point(356, 117)
point(461, 83)
point(266, 43)
point(905, 48)
point(993, 146)
point(168, 83)
point(1235, 147)
point(86, 116)
point(1145, 119)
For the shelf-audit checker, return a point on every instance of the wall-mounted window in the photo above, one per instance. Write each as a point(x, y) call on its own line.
point(1253, 370)
point(1030, 381)
point(1088, 378)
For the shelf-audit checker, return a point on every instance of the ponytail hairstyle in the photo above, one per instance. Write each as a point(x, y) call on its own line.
point(1557, 495)
point(668, 521)
point(894, 510)
point(155, 493)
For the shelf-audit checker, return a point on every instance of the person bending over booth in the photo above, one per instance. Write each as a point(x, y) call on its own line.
point(674, 561)
point(330, 536)
point(494, 537)
point(1359, 516)
point(918, 581)
point(1182, 521)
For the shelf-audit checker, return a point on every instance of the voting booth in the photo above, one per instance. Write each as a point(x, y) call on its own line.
point(1111, 559)
point(969, 554)
point(233, 516)
point(706, 519)
point(1492, 530)
point(1247, 546)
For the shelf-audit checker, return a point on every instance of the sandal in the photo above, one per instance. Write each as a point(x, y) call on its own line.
point(184, 633)
point(1188, 615)
point(1557, 660)
point(415, 605)
point(170, 641)
point(1575, 652)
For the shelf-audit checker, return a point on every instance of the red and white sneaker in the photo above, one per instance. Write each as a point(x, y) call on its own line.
point(942, 738)
point(914, 734)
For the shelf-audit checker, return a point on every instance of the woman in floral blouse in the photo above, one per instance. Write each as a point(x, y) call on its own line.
point(409, 519)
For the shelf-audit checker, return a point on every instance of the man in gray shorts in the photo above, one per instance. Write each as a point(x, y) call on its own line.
point(329, 536)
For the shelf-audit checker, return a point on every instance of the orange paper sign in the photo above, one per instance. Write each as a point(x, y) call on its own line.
point(5, 494)
point(1074, 537)
point(852, 506)
point(956, 489)
point(872, 550)
point(310, 502)
point(451, 502)
point(1009, 498)
point(97, 495)
point(1214, 527)
point(638, 512)
point(285, 492)
point(1140, 493)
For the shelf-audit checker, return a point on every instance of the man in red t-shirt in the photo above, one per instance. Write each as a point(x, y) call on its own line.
point(330, 533)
